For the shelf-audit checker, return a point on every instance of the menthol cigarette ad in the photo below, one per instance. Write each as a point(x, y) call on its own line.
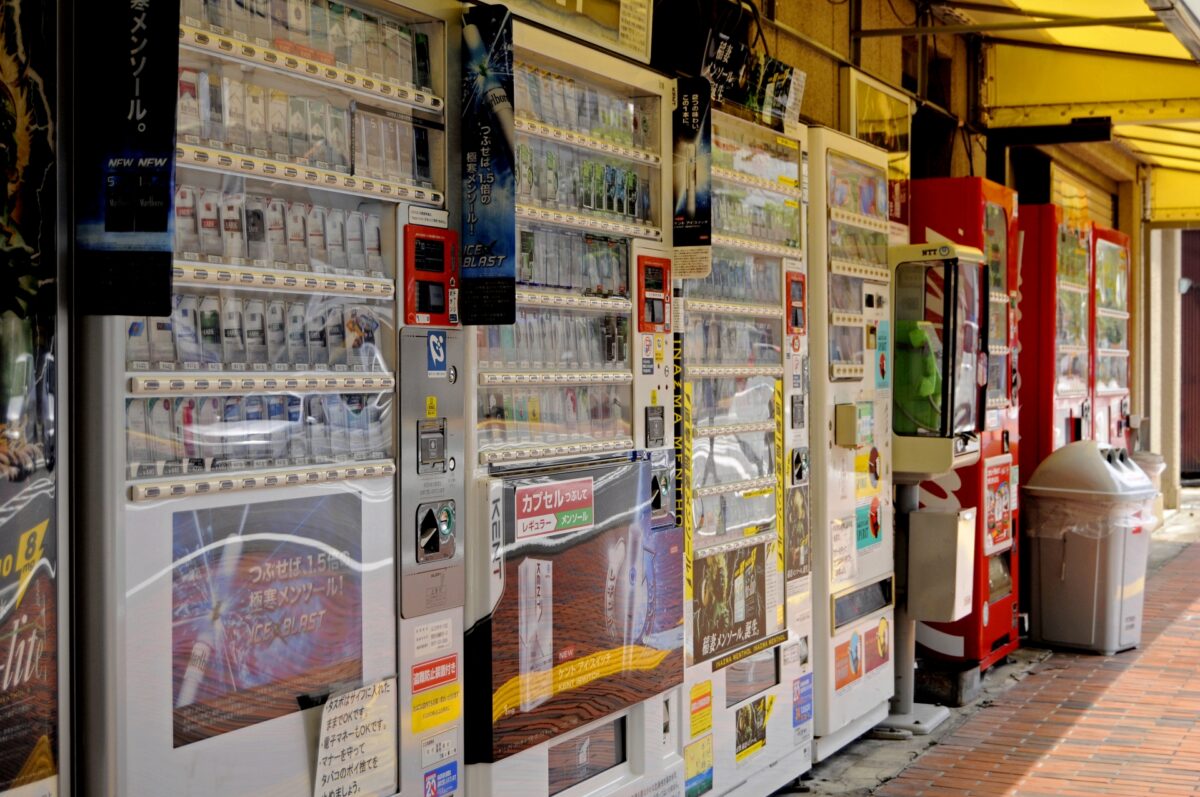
point(266, 606)
point(567, 650)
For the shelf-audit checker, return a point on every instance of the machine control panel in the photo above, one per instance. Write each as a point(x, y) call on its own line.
point(431, 484)
point(430, 276)
point(654, 294)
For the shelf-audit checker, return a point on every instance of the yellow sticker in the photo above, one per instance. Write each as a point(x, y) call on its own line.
point(790, 143)
point(431, 406)
point(791, 203)
point(653, 398)
point(658, 356)
point(700, 707)
point(535, 410)
point(790, 181)
point(436, 707)
point(698, 765)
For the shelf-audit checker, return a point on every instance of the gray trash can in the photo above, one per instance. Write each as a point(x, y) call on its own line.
point(1089, 514)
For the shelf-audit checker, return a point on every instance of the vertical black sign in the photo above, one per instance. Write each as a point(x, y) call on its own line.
point(125, 95)
point(489, 221)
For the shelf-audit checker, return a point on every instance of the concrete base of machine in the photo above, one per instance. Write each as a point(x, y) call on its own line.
point(920, 721)
point(779, 775)
point(825, 746)
point(949, 684)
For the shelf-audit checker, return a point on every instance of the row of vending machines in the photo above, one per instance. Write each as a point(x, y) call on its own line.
point(631, 535)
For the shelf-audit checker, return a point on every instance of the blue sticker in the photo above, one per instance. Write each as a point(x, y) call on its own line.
point(442, 781)
point(883, 356)
point(866, 525)
point(802, 700)
point(435, 355)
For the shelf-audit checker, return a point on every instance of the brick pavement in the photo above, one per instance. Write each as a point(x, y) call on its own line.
point(1088, 725)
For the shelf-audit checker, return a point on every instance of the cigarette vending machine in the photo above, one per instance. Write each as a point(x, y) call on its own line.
point(1056, 331)
point(1110, 328)
point(851, 433)
point(575, 561)
point(270, 512)
point(979, 213)
point(743, 438)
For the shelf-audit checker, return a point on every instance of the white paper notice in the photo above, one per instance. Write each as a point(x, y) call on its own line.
point(845, 556)
point(431, 638)
point(356, 754)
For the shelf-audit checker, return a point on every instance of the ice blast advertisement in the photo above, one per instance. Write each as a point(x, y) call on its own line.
point(267, 607)
point(591, 617)
point(489, 220)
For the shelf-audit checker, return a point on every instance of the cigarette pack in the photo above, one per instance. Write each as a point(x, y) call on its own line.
point(257, 135)
point(356, 256)
point(185, 320)
point(339, 138)
point(256, 331)
point(335, 335)
point(298, 128)
point(297, 334)
point(318, 133)
point(187, 236)
point(314, 224)
point(234, 101)
point(535, 607)
point(211, 346)
point(373, 44)
point(233, 235)
point(318, 26)
point(209, 217)
point(277, 350)
point(277, 123)
point(188, 114)
point(258, 246)
point(233, 336)
point(162, 340)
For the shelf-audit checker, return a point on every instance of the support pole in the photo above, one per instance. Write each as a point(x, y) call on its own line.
point(905, 714)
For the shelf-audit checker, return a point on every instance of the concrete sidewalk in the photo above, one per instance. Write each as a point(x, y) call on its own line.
point(1065, 723)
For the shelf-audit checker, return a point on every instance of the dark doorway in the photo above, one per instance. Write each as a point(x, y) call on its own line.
point(1189, 465)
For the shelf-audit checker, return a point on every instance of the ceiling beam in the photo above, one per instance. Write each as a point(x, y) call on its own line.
point(1066, 22)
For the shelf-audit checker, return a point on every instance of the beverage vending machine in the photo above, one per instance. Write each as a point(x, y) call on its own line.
point(270, 512)
point(1056, 329)
point(851, 434)
point(1110, 328)
point(743, 439)
point(976, 212)
point(575, 561)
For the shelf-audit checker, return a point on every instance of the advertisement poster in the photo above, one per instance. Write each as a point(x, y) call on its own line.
point(692, 186)
point(125, 166)
point(998, 489)
point(802, 700)
point(882, 116)
point(883, 353)
point(751, 83)
point(28, 456)
point(877, 645)
point(730, 607)
point(590, 619)
point(489, 221)
point(866, 471)
point(266, 608)
point(751, 727)
point(798, 536)
point(848, 661)
point(622, 26)
point(867, 530)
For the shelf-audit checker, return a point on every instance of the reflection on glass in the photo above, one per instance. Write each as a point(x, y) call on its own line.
point(1072, 373)
point(738, 277)
point(1112, 332)
point(1112, 372)
point(857, 187)
point(1112, 275)
point(1073, 255)
point(1072, 318)
point(995, 236)
point(712, 339)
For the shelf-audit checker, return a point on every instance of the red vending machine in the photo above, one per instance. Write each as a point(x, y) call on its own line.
point(976, 212)
point(1110, 331)
point(1055, 305)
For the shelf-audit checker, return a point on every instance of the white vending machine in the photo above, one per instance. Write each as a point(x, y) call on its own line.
point(251, 536)
point(743, 442)
point(575, 581)
point(853, 569)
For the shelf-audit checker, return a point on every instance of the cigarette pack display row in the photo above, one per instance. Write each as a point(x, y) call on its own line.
point(583, 107)
point(531, 416)
point(555, 175)
point(543, 339)
point(172, 435)
point(229, 331)
point(330, 33)
point(235, 226)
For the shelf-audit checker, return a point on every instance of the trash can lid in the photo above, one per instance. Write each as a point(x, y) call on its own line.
point(1085, 469)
